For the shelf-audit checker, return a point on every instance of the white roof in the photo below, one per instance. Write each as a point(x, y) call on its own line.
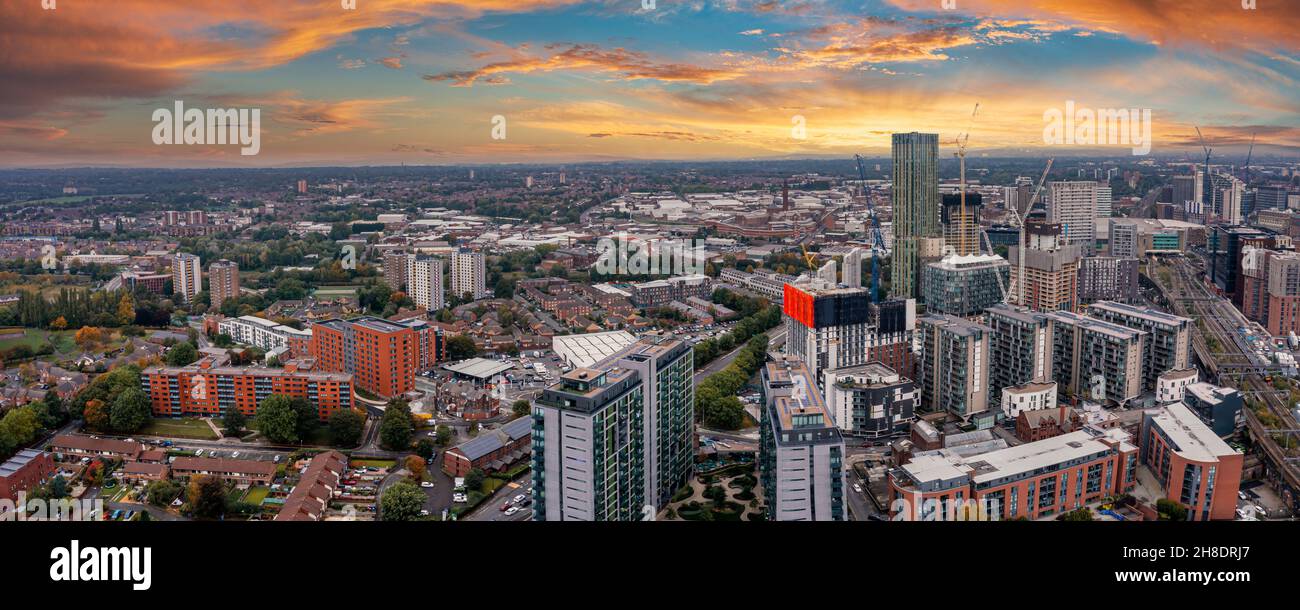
point(1191, 437)
point(1032, 456)
point(481, 368)
point(586, 350)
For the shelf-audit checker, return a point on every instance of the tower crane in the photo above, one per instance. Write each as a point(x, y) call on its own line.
point(961, 143)
point(877, 238)
point(1018, 222)
point(1207, 148)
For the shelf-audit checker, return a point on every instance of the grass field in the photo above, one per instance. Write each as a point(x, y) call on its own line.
point(180, 428)
point(335, 291)
point(256, 494)
point(35, 337)
point(375, 463)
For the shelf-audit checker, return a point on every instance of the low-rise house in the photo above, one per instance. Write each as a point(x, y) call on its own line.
point(311, 496)
point(239, 472)
point(142, 472)
point(72, 447)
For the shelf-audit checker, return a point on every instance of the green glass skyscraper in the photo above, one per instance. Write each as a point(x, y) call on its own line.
point(915, 197)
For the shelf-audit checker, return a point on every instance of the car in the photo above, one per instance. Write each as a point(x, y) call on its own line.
point(426, 484)
point(276, 460)
point(505, 507)
point(85, 460)
point(424, 513)
point(235, 454)
point(519, 498)
point(198, 452)
point(460, 498)
point(857, 488)
point(512, 510)
point(1242, 495)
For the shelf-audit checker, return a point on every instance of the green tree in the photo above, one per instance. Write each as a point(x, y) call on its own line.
point(474, 479)
point(443, 435)
point(277, 420)
point(520, 408)
point(130, 412)
point(460, 347)
point(424, 448)
point(308, 416)
point(182, 354)
point(396, 428)
point(207, 497)
point(234, 421)
point(161, 493)
point(346, 427)
point(402, 501)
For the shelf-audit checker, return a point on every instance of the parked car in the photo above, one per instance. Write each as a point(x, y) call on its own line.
point(512, 510)
point(505, 507)
point(426, 484)
point(519, 498)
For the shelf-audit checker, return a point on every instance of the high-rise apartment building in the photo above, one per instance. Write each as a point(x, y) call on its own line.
point(381, 356)
point(1105, 200)
point(915, 198)
point(469, 274)
point(830, 328)
point(1074, 206)
point(953, 368)
point(1169, 340)
point(1108, 278)
point(801, 452)
point(424, 281)
point(223, 282)
point(1271, 198)
point(395, 270)
point(1191, 464)
point(964, 285)
point(1097, 360)
point(1020, 349)
point(187, 276)
point(617, 439)
point(961, 233)
point(589, 437)
point(1051, 269)
point(870, 400)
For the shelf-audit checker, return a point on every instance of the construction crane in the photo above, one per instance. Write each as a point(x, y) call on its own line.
point(961, 143)
point(862, 175)
point(877, 237)
point(1207, 148)
point(1019, 222)
point(1249, 153)
point(809, 258)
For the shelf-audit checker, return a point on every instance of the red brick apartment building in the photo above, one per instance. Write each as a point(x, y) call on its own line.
point(381, 356)
point(205, 390)
point(143, 472)
point(240, 472)
point(1034, 480)
point(24, 471)
point(1192, 465)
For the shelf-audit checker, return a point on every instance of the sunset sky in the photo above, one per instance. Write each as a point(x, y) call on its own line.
point(418, 81)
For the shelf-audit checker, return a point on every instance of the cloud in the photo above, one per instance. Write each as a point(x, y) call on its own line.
point(618, 63)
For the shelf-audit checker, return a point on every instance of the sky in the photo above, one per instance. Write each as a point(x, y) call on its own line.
point(566, 81)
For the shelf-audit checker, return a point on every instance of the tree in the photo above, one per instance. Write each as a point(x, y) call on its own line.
point(474, 479)
point(130, 412)
point(1081, 514)
point(59, 323)
point(161, 493)
point(402, 501)
point(234, 421)
point(415, 464)
point(96, 415)
point(520, 409)
point(89, 337)
point(126, 310)
point(424, 448)
point(308, 416)
point(443, 435)
point(182, 354)
point(277, 420)
point(460, 347)
point(346, 427)
point(396, 428)
point(207, 497)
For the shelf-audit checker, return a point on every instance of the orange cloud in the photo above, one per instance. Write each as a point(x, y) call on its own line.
point(619, 62)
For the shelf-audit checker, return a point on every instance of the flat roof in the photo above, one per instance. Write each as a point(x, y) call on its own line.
point(1148, 313)
point(1032, 456)
point(479, 368)
point(588, 349)
point(935, 467)
point(1191, 437)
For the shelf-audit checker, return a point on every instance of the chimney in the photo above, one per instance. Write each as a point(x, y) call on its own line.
point(785, 195)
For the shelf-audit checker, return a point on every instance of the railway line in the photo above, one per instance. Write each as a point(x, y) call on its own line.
point(1230, 359)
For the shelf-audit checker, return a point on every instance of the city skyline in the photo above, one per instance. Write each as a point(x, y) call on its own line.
point(421, 82)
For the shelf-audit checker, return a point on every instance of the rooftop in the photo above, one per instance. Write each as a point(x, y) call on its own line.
point(1192, 439)
point(588, 349)
point(479, 368)
point(16, 463)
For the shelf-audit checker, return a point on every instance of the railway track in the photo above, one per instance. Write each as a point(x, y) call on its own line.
point(1233, 360)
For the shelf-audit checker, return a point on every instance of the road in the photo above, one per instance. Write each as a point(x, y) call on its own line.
point(776, 339)
point(490, 509)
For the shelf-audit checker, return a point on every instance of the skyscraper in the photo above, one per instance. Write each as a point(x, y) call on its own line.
point(616, 439)
point(801, 456)
point(961, 234)
point(1051, 269)
point(223, 282)
point(424, 281)
point(915, 197)
point(395, 270)
point(953, 371)
point(1074, 206)
point(468, 274)
point(187, 276)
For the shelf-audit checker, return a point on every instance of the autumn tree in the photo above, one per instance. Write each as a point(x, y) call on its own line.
point(207, 497)
point(89, 337)
point(96, 415)
point(415, 464)
point(59, 323)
